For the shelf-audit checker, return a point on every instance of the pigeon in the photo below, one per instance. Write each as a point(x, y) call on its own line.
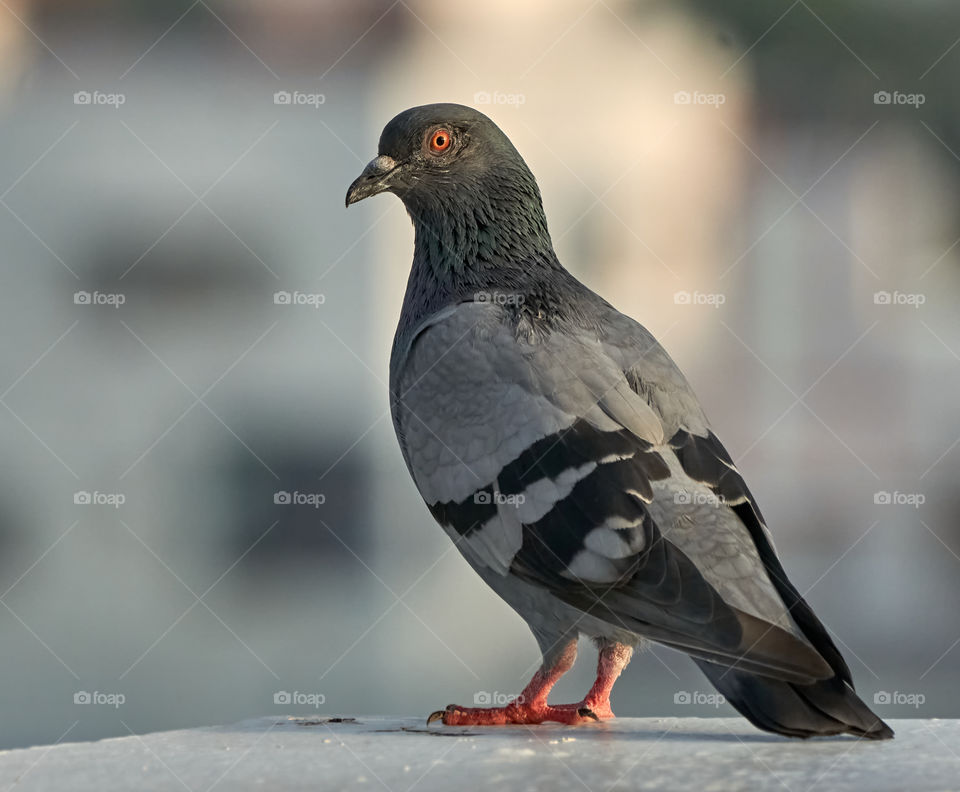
point(564, 453)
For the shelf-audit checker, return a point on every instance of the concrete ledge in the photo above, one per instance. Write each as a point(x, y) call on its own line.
point(324, 753)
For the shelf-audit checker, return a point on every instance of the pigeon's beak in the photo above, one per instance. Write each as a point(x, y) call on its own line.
point(373, 180)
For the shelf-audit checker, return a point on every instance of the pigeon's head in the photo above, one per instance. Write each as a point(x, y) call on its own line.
point(434, 154)
point(473, 201)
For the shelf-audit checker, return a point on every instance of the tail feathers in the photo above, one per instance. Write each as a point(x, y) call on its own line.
point(827, 707)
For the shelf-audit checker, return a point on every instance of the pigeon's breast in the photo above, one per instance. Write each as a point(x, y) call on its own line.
point(462, 402)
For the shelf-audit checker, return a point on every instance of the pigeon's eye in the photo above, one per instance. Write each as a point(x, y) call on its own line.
point(439, 141)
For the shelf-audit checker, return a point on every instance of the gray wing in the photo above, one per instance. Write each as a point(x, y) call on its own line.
point(544, 456)
point(701, 457)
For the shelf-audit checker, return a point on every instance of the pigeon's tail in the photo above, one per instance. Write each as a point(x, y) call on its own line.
point(829, 706)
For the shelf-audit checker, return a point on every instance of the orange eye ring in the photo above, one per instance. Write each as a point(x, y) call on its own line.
point(440, 140)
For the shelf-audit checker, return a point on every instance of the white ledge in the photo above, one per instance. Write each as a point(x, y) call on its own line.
point(324, 753)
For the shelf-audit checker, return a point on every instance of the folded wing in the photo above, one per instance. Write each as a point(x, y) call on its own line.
point(544, 459)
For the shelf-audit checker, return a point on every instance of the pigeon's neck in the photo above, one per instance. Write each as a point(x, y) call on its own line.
point(476, 242)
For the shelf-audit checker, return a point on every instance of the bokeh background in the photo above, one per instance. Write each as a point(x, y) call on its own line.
point(772, 188)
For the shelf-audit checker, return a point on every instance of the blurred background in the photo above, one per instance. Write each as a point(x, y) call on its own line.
point(204, 515)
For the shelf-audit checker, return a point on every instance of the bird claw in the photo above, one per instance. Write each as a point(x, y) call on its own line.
point(435, 716)
point(586, 712)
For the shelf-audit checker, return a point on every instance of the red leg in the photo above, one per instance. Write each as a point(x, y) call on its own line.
point(614, 657)
point(529, 707)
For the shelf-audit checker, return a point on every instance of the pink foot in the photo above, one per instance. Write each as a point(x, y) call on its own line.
point(571, 714)
point(531, 705)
